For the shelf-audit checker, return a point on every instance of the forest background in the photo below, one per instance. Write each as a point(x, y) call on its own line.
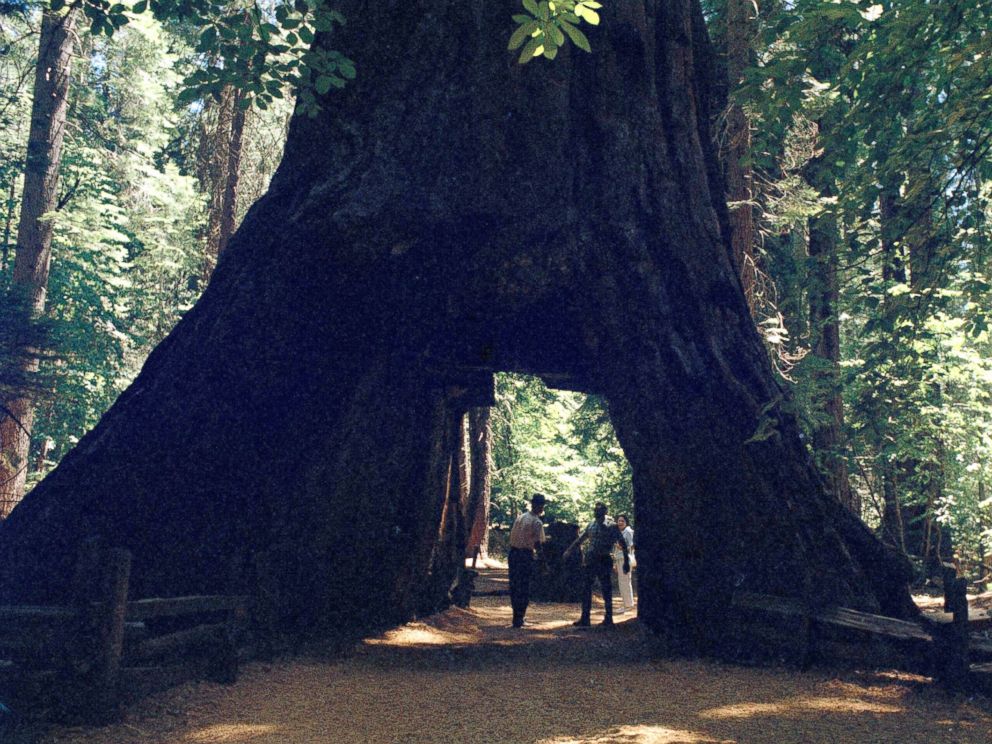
point(855, 138)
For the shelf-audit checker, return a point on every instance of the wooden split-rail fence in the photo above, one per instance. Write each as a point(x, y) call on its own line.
point(949, 646)
point(86, 659)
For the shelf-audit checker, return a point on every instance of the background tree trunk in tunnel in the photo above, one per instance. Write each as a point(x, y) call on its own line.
point(442, 219)
point(480, 484)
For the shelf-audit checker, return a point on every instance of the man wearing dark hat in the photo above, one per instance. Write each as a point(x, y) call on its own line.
point(526, 535)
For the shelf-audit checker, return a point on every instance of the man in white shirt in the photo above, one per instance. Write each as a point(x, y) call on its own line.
point(526, 535)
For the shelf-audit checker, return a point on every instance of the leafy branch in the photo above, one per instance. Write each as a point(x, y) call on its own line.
point(546, 24)
point(259, 51)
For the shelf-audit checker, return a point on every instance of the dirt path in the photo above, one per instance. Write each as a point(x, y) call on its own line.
point(465, 676)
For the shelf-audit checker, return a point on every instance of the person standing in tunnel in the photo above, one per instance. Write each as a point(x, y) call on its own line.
point(624, 577)
point(598, 561)
point(526, 536)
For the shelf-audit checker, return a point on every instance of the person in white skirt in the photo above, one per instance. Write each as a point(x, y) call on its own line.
point(626, 588)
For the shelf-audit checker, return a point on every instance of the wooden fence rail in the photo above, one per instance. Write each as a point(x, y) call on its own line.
point(942, 644)
point(82, 661)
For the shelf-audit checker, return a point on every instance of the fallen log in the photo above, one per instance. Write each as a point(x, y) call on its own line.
point(840, 617)
point(145, 609)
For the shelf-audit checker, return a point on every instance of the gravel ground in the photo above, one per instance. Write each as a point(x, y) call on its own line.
point(465, 676)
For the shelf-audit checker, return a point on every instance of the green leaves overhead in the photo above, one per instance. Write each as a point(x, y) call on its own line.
point(542, 30)
point(257, 48)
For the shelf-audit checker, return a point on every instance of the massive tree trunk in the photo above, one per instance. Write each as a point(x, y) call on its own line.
point(447, 215)
point(34, 233)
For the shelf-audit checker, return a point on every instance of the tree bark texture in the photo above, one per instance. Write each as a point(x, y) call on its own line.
point(480, 485)
point(8, 223)
point(232, 175)
point(824, 299)
point(927, 263)
point(891, 528)
point(740, 16)
point(451, 214)
point(215, 147)
point(33, 255)
point(894, 473)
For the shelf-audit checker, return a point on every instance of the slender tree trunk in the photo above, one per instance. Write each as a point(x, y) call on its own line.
point(892, 528)
point(924, 254)
point(481, 448)
point(741, 20)
point(215, 154)
point(34, 231)
point(42, 461)
point(931, 541)
point(8, 223)
point(983, 569)
point(824, 297)
point(464, 460)
point(229, 213)
point(893, 261)
point(910, 257)
point(448, 215)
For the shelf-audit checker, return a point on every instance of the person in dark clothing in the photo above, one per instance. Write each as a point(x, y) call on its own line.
point(526, 535)
point(598, 561)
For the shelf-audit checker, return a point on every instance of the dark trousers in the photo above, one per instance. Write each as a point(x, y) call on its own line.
point(521, 567)
point(602, 569)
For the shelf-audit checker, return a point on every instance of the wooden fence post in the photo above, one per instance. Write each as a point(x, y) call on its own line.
point(807, 637)
point(953, 639)
point(265, 605)
point(110, 634)
point(949, 575)
point(100, 587)
point(223, 664)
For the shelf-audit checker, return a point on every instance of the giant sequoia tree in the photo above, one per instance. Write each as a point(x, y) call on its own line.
point(450, 214)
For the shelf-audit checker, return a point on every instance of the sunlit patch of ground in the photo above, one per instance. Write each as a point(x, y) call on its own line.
point(456, 626)
point(800, 706)
point(935, 601)
point(221, 733)
point(638, 735)
point(466, 677)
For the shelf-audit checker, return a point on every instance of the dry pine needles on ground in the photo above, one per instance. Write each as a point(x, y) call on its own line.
point(465, 676)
